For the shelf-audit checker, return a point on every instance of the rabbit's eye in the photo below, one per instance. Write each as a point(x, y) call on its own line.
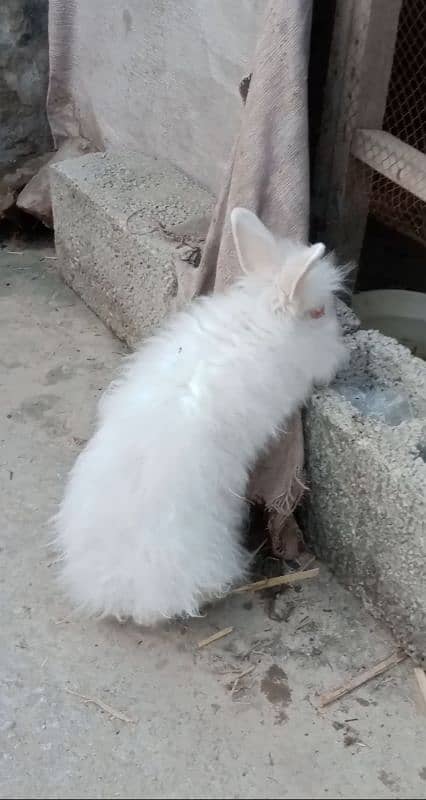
point(316, 313)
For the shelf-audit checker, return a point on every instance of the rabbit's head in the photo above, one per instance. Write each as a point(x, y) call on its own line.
point(296, 279)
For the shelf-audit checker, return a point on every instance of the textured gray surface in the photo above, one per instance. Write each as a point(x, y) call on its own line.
point(108, 211)
point(347, 318)
point(24, 65)
point(193, 737)
point(367, 504)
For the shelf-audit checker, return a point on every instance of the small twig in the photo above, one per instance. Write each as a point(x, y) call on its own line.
point(280, 580)
point(362, 677)
point(214, 637)
point(104, 706)
point(235, 685)
point(302, 623)
point(15, 252)
point(230, 671)
point(421, 680)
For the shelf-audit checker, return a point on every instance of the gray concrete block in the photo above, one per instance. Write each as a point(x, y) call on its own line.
point(121, 220)
point(347, 318)
point(366, 511)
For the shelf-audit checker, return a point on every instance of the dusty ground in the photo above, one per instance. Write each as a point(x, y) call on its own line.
point(192, 736)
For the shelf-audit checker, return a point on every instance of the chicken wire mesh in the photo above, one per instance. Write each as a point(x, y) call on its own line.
point(397, 208)
point(405, 119)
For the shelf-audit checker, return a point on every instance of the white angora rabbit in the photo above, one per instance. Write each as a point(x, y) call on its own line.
point(153, 515)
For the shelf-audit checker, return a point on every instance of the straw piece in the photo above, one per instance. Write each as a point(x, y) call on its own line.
point(214, 637)
point(280, 580)
point(421, 680)
point(236, 684)
point(104, 706)
point(362, 677)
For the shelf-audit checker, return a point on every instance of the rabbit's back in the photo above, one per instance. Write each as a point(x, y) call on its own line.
point(151, 519)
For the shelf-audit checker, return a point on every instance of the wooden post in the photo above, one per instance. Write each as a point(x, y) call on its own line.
point(359, 70)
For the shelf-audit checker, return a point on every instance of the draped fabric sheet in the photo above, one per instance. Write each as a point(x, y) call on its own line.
point(269, 174)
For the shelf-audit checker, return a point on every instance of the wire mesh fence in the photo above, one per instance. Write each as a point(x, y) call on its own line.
point(405, 118)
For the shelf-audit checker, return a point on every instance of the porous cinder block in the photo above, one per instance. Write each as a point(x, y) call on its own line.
point(366, 509)
point(121, 220)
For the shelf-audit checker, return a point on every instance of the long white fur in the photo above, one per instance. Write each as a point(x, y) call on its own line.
point(150, 526)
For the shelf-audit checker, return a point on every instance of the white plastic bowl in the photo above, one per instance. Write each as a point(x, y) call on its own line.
point(395, 313)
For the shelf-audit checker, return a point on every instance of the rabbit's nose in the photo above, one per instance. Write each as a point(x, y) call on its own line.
point(316, 313)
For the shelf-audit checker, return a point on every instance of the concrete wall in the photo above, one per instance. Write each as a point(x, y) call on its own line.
point(163, 77)
point(23, 79)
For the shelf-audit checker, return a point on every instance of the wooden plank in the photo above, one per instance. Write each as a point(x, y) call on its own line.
point(358, 76)
point(394, 159)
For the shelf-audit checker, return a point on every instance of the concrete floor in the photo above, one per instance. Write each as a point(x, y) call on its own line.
point(192, 736)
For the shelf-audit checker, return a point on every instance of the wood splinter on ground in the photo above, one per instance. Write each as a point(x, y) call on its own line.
point(421, 680)
point(280, 580)
point(214, 637)
point(236, 684)
point(362, 677)
point(104, 706)
point(257, 586)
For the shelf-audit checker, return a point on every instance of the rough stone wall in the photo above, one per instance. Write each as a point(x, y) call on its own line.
point(24, 63)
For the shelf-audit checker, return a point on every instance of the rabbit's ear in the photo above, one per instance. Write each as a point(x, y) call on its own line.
point(313, 254)
point(256, 246)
